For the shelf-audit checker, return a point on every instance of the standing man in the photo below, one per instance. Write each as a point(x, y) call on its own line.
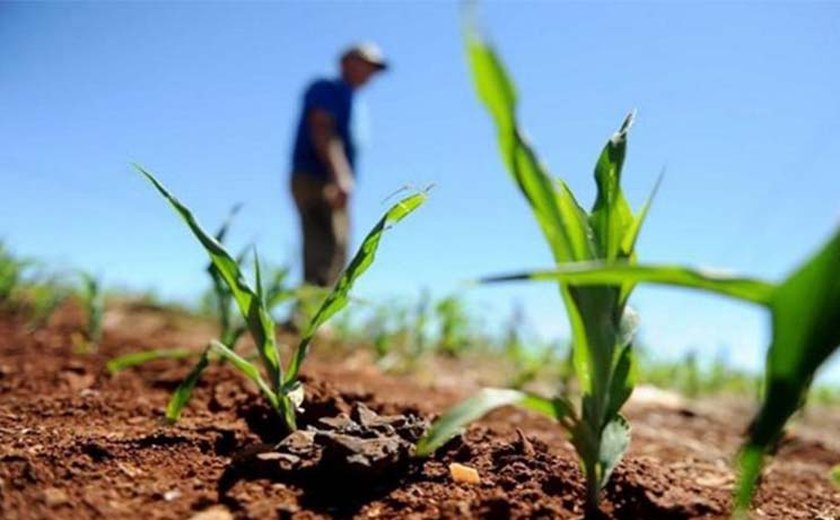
point(323, 174)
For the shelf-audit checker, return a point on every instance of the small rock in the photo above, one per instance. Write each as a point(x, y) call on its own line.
point(525, 446)
point(171, 495)
point(55, 497)
point(465, 474)
point(284, 461)
point(213, 513)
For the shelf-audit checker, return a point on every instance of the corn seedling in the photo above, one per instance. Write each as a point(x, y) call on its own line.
point(93, 302)
point(526, 363)
point(602, 325)
point(11, 273)
point(835, 475)
point(421, 321)
point(43, 298)
point(281, 388)
point(805, 317)
point(454, 325)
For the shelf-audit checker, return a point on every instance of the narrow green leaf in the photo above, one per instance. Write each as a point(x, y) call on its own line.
point(184, 391)
point(223, 294)
point(628, 245)
point(835, 475)
point(559, 215)
point(806, 331)
point(249, 370)
point(260, 323)
point(223, 229)
point(338, 297)
point(597, 273)
point(459, 416)
point(139, 358)
point(622, 382)
point(611, 218)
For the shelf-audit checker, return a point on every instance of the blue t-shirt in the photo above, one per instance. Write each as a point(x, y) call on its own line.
point(335, 97)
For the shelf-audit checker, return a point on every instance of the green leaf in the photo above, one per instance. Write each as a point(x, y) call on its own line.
point(223, 229)
point(562, 220)
point(139, 358)
point(622, 382)
point(806, 331)
point(338, 297)
point(456, 418)
point(249, 370)
point(611, 218)
point(260, 323)
point(628, 245)
point(184, 391)
point(614, 442)
point(835, 475)
point(223, 294)
point(598, 273)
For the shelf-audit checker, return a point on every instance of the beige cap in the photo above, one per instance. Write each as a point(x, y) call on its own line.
point(367, 51)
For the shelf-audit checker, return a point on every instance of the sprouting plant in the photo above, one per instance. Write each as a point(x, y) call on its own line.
point(93, 302)
point(43, 297)
point(835, 475)
point(23, 285)
point(11, 273)
point(805, 317)
point(454, 325)
point(421, 321)
point(281, 387)
point(602, 325)
point(525, 363)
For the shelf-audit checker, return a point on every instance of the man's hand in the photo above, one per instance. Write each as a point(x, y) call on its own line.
point(330, 150)
point(337, 195)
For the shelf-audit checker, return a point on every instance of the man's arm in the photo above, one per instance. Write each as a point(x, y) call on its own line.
point(330, 151)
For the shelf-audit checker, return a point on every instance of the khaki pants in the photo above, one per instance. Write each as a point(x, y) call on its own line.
point(325, 231)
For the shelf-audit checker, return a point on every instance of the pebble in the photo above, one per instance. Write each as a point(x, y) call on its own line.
point(54, 497)
point(465, 474)
point(213, 513)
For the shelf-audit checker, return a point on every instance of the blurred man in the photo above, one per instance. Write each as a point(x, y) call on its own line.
point(323, 175)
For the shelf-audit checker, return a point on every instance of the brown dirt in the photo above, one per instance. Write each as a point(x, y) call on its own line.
point(76, 442)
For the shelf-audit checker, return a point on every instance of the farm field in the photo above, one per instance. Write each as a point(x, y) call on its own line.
point(263, 396)
point(78, 442)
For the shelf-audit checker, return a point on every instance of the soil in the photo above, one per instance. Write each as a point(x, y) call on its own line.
point(77, 442)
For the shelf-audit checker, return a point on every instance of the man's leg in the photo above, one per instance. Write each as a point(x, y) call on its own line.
point(340, 230)
point(318, 231)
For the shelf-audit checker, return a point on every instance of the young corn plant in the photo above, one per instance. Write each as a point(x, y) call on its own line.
point(805, 316)
point(279, 385)
point(93, 301)
point(602, 325)
point(454, 325)
point(12, 271)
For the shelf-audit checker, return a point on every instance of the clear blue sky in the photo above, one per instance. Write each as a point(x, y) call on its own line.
point(737, 101)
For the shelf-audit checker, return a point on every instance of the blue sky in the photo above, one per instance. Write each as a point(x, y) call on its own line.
point(738, 102)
